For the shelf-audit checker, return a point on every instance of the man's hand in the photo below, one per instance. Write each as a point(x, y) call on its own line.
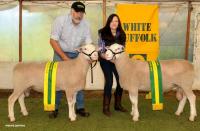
point(58, 49)
point(65, 58)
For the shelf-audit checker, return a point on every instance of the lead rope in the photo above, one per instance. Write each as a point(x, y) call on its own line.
point(91, 67)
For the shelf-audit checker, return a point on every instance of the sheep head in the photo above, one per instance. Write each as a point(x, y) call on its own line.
point(113, 52)
point(89, 51)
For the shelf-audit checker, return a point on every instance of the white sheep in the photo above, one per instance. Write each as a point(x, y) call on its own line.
point(134, 77)
point(71, 77)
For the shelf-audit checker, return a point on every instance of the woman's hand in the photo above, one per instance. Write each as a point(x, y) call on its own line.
point(103, 56)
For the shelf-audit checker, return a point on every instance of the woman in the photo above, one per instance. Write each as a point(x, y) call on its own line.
point(108, 35)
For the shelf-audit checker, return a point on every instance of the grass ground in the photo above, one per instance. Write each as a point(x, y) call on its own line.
point(149, 120)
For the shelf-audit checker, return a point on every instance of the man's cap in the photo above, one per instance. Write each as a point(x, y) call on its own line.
point(78, 6)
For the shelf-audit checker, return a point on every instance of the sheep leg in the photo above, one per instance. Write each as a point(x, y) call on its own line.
point(11, 102)
point(132, 106)
point(134, 100)
point(192, 100)
point(70, 105)
point(132, 109)
point(179, 94)
point(22, 105)
point(181, 105)
point(70, 102)
point(73, 106)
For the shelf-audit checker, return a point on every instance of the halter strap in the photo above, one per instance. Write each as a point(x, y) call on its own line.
point(115, 53)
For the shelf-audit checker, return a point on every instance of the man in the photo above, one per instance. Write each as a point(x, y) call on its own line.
point(68, 33)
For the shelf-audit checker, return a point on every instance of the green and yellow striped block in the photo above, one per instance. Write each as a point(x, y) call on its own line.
point(156, 93)
point(50, 86)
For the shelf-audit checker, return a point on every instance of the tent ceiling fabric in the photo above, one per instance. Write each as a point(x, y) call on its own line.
point(126, 0)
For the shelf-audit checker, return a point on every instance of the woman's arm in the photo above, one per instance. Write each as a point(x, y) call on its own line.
point(101, 44)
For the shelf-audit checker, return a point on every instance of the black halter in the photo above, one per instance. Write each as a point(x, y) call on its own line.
point(115, 53)
point(92, 66)
point(89, 55)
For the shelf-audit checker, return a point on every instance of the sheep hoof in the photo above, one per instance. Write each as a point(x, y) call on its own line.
point(131, 113)
point(74, 116)
point(177, 113)
point(72, 119)
point(135, 119)
point(191, 118)
point(25, 113)
point(12, 119)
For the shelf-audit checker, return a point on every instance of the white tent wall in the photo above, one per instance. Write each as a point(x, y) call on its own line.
point(37, 21)
point(38, 17)
point(196, 53)
point(7, 4)
point(95, 20)
point(9, 31)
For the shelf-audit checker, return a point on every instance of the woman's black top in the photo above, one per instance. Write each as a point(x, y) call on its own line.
point(107, 39)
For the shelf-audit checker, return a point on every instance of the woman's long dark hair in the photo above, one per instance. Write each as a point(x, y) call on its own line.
point(106, 31)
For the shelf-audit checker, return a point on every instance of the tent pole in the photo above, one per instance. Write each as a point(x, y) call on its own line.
point(20, 30)
point(188, 30)
point(104, 12)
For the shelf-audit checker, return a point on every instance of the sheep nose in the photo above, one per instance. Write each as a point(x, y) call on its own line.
point(95, 54)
